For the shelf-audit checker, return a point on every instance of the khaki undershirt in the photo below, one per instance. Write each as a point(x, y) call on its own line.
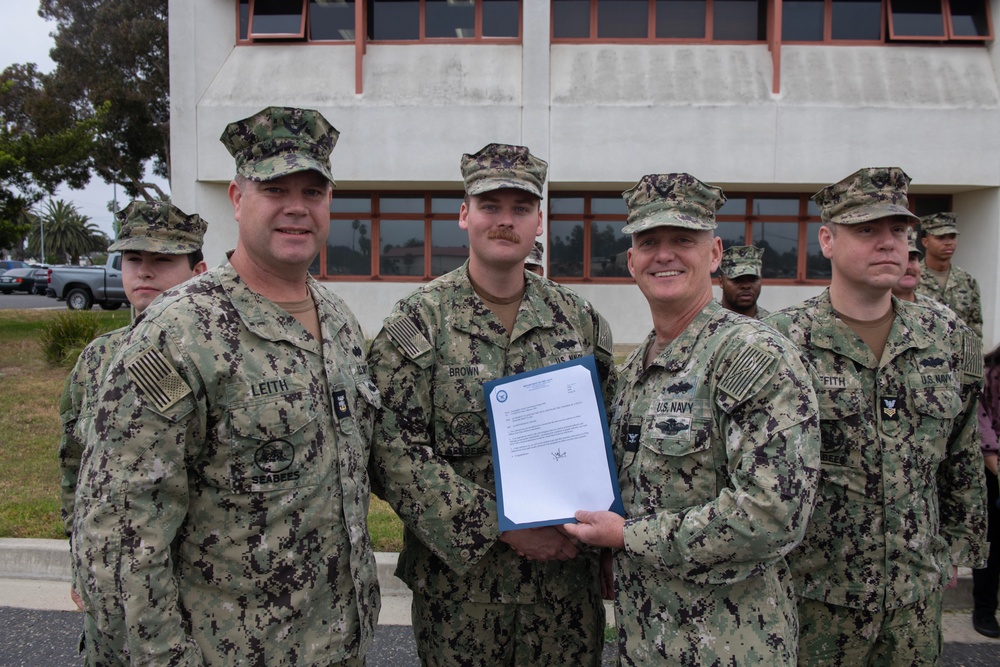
point(305, 312)
point(874, 333)
point(940, 276)
point(653, 351)
point(504, 309)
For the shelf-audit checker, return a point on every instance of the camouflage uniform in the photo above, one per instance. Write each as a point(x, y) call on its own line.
point(891, 517)
point(744, 260)
point(900, 496)
point(432, 453)
point(221, 518)
point(961, 294)
point(961, 290)
point(221, 416)
point(157, 227)
point(717, 446)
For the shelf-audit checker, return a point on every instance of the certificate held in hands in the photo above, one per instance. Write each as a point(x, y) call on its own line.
point(551, 447)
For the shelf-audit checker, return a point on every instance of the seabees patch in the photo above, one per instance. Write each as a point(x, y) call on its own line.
point(748, 367)
point(157, 380)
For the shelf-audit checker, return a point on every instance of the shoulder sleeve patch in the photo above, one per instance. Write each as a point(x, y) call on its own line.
point(749, 366)
point(407, 337)
point(604, 340)
point(972, 364)
point(157, 380)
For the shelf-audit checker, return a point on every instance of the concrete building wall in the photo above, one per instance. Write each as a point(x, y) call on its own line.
point(602, 115)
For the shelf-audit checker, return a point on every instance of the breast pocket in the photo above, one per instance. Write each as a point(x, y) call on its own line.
point(676, 462)
point(461, 428)
point(935, 410)
point(277, 443)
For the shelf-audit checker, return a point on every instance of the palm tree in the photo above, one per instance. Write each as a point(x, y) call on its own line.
point(68, 233)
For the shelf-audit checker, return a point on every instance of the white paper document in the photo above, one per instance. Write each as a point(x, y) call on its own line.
point(551, 449)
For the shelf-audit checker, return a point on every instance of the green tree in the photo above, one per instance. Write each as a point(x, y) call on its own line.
point(68, 233)
point(112, 61)
point(44, 141)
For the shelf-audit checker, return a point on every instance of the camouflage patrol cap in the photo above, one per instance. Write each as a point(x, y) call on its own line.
point(498, 166)
point(741, 260)
point(671, 200)
point(911, 241)
point(535, 257)
point(158, 226)
point(939, 224)
point(867, 194)
point(278, 141)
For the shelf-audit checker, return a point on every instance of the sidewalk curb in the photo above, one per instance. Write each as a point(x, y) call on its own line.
point(49, 560)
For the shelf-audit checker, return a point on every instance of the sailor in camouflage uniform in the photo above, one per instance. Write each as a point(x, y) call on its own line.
point(900, 502)
point(739, 278)
point(161, 248)
point(943, 281)
point(224, 505)
point(523, 597)
point(716, 439)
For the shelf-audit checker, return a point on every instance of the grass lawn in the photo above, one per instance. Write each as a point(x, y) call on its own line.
point(30, 427)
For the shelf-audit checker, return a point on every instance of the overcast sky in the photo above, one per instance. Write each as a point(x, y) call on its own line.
point(24, 38)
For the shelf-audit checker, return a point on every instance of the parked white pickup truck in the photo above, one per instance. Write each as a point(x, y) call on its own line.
point(83, 286)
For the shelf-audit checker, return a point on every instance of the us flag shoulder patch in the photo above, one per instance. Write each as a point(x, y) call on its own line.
point(157, 380)
point(973, 355)
point(746, 369)
point(407, 337)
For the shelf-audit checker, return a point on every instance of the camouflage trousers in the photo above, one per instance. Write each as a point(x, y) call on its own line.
point(470, 634)
point(101, 649)
point(904, 637)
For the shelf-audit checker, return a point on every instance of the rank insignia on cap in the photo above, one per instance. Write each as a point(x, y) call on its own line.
point(157, 380)
point(340, 406)
point(889, 410)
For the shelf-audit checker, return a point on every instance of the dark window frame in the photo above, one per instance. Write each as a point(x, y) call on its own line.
point(303, 36)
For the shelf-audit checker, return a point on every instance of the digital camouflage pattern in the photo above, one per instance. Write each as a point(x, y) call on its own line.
point(674, 200)
point(939, 224)
point(911, 241)
point(278, 141)
point(960, 293)
point(717, 446)
point(867, 194)
point(432, 455)
point(102, 645)
point(223, 510)
point(903, 636)
point(159, 227)
point(901, 496)
point(741, 260)
point(536, 256)
point(498, 166)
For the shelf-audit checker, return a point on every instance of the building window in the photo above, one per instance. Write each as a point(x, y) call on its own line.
point(387, 20)
point(866, 20)
point(405, 236)
point(687, 20)
point(585, 237)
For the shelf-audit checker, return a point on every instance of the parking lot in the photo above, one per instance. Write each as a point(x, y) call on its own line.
point(18, 300)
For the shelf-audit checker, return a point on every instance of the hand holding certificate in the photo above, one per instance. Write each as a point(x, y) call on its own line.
point(551, 447)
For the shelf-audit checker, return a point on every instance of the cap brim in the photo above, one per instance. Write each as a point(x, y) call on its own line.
point(668, 219)
point(276, 166)
point(941, 231)
point(492, 184)
point(859, 214)
point(144, 244)
point(740, 274)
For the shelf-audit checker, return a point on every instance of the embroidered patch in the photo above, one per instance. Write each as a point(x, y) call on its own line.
point(604, 335)
point(890, 411)
point(157, 380)
point(632, 437)
point(973, 362)
point(407, 337)
point(340, 406)
point(747, 368)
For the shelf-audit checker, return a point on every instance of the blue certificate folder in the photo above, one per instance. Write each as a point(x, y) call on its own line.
point(546, 454)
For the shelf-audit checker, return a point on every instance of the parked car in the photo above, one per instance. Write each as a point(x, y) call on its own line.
point(41, 279)
point(83, 286)
point(18, 280)
point(12, 264)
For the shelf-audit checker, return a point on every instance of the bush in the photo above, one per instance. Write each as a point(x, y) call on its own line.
point(64, 338)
